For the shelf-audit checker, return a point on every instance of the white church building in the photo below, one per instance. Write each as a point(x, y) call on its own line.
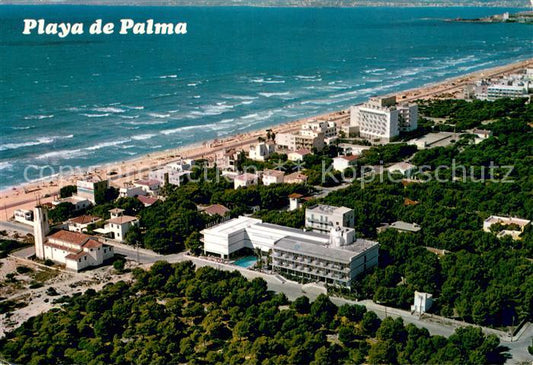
point(75, 250)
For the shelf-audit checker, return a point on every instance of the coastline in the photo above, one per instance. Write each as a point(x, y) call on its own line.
point(44, 190)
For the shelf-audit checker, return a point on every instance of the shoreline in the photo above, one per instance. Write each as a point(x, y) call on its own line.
point(25, 195)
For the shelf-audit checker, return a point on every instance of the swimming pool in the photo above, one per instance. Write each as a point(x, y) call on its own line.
point(246, 262)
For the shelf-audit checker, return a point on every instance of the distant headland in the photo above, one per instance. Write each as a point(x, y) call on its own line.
point(525, 17)
point(287, 3)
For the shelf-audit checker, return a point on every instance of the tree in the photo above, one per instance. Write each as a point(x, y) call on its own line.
point(62, 212)
point(301, 305)
point(194, 244)
point(119, 265)
point(323, 310)
point(67, 191)
point(383, 352)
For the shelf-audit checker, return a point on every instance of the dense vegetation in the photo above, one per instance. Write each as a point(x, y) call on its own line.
point(481, 278)
point(174, 314)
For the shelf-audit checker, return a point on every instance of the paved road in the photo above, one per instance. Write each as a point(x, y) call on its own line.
point(19, 228)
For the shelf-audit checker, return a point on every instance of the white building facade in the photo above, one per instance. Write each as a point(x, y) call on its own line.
point(335, 258)
point(322, 218)
point(76, 251)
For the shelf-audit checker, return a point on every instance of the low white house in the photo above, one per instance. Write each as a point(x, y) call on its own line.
point(297, 156)
point(131, 191)
point(23, 216)
point(119, 225)
point(341, 163)
point(244, 180)
point(422, 303)
point(149, 186)
point(273, 177)
point(295, 178)
point(78, 202)
point(512, 226)
point(295, 201)
point(80, 224)
point(404, 168)
point(261, 151)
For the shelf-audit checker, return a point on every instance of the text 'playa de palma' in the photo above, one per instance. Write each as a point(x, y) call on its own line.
point(127, 26)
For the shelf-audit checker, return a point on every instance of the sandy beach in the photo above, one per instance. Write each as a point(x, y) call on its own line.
point(119, 173)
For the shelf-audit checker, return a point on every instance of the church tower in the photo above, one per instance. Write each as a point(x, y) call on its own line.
point(40, 230)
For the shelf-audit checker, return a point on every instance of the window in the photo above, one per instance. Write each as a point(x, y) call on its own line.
point(85, 258)
point(79, 260)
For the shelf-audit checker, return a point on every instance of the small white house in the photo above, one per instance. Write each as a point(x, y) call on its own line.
point(131, 191)
point(295, 178)
point(273, 177)
point(23, 216)
point(244, 180)
point(261, 151)
point(80, 224)
point(149, 186)
point(295, 201)
point(78, 202)
point(297, 156)
point(512, 226)
point(423, 302)
point(119, 225)
point(404, 168)
point(341, 163)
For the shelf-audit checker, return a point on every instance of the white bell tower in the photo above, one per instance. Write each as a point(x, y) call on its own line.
point(40, 230)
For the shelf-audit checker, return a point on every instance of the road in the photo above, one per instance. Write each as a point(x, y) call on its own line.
point(21, 229)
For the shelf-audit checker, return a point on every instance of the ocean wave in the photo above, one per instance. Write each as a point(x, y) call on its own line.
point(142, 137)
point(177, 130)
point(305, 77)
point(108, 109)
point(240, 97)
point(4, 165)
point(107, 144)
point(95, 115)
point(168, 76)
point(269, 95)
point(62, 154)
point(39, 116)
point(159, 115)
point(371, 71)
point(39, 141)
point(129, 116)
point(147, 122)
point(134, 107)
point(23, 128)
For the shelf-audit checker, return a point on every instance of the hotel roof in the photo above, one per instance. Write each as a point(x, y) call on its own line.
point(328, 209)
point(493, 219)
point(404, 226)
point(233, 225)
point(342, 254)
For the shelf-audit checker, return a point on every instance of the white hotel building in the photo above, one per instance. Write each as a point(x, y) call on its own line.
point(380, 118)
point(336, 258)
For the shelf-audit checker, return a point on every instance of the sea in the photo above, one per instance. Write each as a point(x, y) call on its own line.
point(86, 100)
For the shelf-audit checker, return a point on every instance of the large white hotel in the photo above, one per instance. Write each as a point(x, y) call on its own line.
point(335, 258)
point(380, 118)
